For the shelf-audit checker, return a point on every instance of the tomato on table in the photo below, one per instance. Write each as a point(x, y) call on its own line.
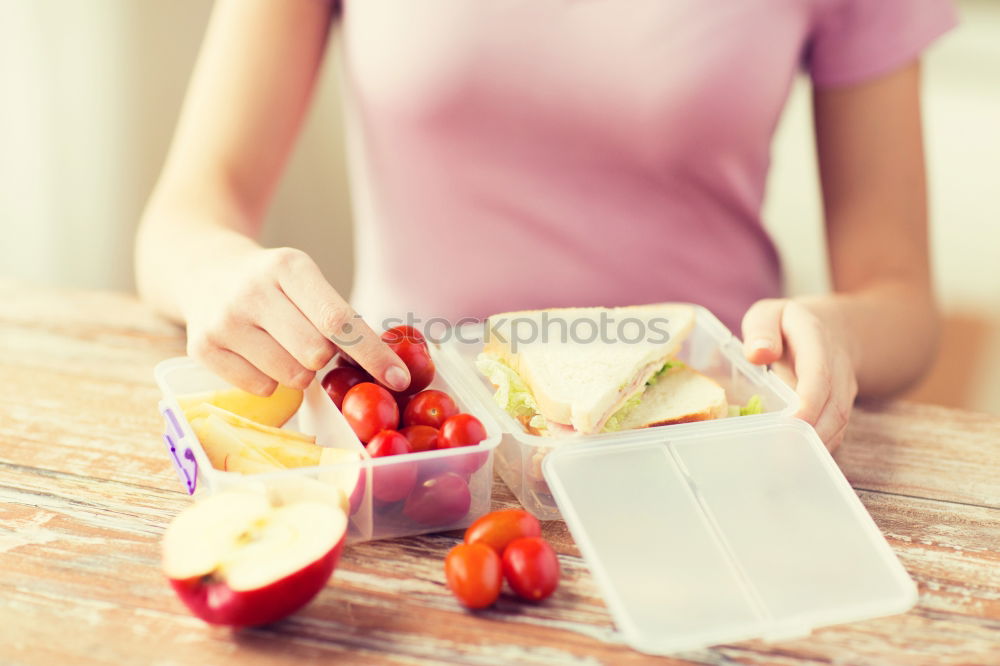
point(499, 528)
point(531, 568)
point(474, 574)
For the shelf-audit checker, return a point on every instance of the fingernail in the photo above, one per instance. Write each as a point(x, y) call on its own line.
point(397, 378)
point(762, 343)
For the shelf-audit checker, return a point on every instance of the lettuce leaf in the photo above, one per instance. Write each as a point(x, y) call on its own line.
point(667, 367)
point(512, 394)
point(755, 405)
point(616, 420)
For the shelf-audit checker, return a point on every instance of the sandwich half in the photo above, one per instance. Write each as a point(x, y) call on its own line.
point(580, 370)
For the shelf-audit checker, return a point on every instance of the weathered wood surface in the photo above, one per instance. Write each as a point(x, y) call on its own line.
point(86, 492)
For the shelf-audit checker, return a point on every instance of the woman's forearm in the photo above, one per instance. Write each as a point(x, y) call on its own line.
point(890, 330)
point(178, 244)
point(247, 98)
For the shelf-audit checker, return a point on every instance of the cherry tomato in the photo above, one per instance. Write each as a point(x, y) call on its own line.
point(369, 408)
point(421, 437)
point(430, 407)
point(439, 500)
point(499, 528)
point(342, 379)
point(463, 430)
point(391, 483)
point(418, 361)
point(474, 574)
point(398, 333)
point(531, 568)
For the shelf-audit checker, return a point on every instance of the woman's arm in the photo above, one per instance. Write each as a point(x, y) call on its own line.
point(254, 316)
point(877, 333)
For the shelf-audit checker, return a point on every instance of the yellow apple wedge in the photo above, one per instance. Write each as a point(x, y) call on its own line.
point(227, 451)
point(288, 447)
point(274, 410)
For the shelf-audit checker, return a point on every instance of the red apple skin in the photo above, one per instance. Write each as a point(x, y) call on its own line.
point(215, 603)
point(440, 500)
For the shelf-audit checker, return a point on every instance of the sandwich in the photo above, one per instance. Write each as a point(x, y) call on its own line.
point(592, 370)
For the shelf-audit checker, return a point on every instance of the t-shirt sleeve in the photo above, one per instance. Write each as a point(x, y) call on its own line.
point(855, 40)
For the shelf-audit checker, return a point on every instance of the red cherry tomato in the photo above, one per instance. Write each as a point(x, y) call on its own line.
point(531, 568)
point(391, 482)
point(430, 407)
point(474, 574)
point(398, 333)
point(439, 500)
point(342, 379)
point(499, 528)
point(463, 430)
point(388, 443)
point(369, 408)
point(418, 360)
point(421, 437)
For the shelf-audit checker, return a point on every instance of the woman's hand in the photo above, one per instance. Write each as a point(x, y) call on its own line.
point(268, 316)
point(812, 355)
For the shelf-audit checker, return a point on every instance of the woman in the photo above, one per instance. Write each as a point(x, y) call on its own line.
point(509, 155)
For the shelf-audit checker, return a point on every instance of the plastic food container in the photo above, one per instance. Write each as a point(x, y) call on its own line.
point(709, 532)
point(318, 416)
point(710, 349)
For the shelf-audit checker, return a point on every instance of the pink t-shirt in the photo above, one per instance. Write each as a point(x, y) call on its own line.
point(542, 153)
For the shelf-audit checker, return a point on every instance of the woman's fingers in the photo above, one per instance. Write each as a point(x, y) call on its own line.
point(232, 367)
point(810, 358)
point(825, 379)
point(290, 328)
point(259, 348)
point(788, 335)
point(762, 338)
point(833, 418)
point(335, 319)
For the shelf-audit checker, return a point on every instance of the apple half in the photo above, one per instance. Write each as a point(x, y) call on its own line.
point(238, 559)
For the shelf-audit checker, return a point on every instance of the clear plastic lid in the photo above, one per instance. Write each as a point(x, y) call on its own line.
point(697, 539)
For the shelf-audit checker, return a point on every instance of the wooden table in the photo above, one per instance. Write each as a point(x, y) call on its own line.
point(87, 490)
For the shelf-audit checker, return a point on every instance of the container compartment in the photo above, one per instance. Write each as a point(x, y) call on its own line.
point(710, 349)
point(454, 503)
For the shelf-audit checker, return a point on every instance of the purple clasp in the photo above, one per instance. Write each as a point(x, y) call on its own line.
point(183, 458)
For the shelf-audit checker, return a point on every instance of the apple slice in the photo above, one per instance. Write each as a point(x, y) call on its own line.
point(349, 478)
point(227, 451)
point(289, 447)
point(290, 489)
point(274, 410)
point(237, 559)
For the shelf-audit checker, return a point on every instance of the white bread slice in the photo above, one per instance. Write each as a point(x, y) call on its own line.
point(680, 395)
point(578, 382)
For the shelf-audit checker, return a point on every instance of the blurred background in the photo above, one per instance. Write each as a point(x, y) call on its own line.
point(90, 92)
